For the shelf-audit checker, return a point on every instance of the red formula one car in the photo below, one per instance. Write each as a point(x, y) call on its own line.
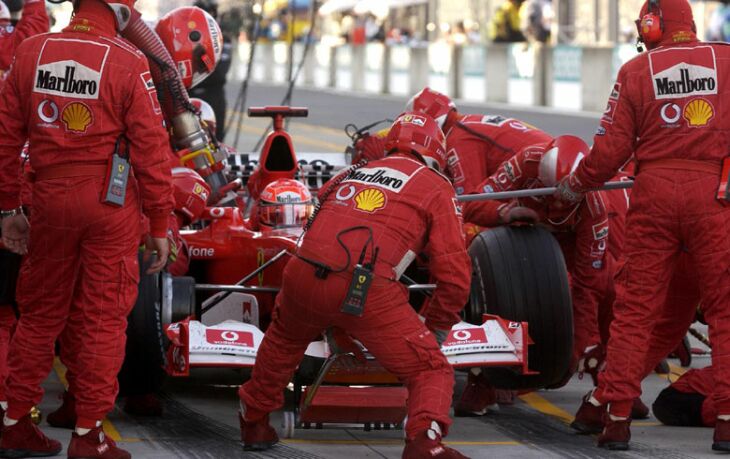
point(517, 326)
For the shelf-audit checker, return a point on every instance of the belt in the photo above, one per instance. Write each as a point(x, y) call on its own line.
point(71, 170)
point(322, 270)
point(680, 164)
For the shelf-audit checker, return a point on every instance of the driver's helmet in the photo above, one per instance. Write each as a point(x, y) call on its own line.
point(284, 203)
point(431, 103)
point(194, 41)
point(419, 134)
point(561, 158)
point(206, 112)
point(191, 194)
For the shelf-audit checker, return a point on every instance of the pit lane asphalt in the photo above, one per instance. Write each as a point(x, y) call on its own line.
point(200, 412)
point(199, 421)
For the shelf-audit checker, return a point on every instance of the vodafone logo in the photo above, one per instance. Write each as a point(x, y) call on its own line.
point(229, 338)
point(48, 111)
point(670, 113)
point(466, 336)
point(217, 212)
point(345, 192)
point(202, 252)
point(462, 335)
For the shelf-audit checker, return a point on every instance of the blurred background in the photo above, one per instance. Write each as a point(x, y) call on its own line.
point(554, 53)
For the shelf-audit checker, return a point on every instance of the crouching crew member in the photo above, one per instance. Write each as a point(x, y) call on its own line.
point(373, 221)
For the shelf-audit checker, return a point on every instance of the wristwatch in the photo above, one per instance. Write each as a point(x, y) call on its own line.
point(11, 213)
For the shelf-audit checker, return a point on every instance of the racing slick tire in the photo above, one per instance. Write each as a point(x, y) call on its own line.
point(519, 274)
point(142, 372)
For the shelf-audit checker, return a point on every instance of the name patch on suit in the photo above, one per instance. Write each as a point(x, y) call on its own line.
point(78, 77)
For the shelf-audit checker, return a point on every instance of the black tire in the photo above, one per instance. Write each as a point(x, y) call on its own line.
point(142, 371)
point(519, 274)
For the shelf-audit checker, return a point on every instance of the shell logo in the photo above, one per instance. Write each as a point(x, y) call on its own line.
point(698, 113)
point(370, 200)
point(77, 117)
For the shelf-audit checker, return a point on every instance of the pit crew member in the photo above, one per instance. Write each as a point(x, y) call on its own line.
point(666, 110)
point(191, 193)
point(582, 229)
point(373, 220)
point(87, 109)
point(33, 22)
point(476, 145)
point(688, 401)
point(213, 89)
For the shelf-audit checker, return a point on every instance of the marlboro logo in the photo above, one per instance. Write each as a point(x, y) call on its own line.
point(78, 77)
point(685, 85)
point(67, 84)
point(681, 72)
point(383, 177)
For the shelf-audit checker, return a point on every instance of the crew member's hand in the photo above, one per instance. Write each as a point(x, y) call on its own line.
point(513, 213)
point(566, 191)
point(161, 246)
point(16, 232)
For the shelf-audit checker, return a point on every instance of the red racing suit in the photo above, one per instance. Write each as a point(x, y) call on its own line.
point(34, 22)
point(402, 208)
point(476, 145)
point(73, 95)
point(582, 231)
point(674, 123)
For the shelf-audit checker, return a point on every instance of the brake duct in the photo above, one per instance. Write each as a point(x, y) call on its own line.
point(189, 138)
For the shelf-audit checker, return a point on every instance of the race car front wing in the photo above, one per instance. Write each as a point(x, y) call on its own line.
point(494, 343)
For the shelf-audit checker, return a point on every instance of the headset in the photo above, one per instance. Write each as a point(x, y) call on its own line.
point(651, 26)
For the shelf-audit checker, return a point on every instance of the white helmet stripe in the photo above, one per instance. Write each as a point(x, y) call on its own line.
point(548, 167)
point(579, 157)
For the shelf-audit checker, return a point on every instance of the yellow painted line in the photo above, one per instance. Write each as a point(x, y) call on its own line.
point(60, 371)
point(483, 443)
point(645, 424)
point(109, 428)
point(394, 442)
point(544, 406)
point(675, 372)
